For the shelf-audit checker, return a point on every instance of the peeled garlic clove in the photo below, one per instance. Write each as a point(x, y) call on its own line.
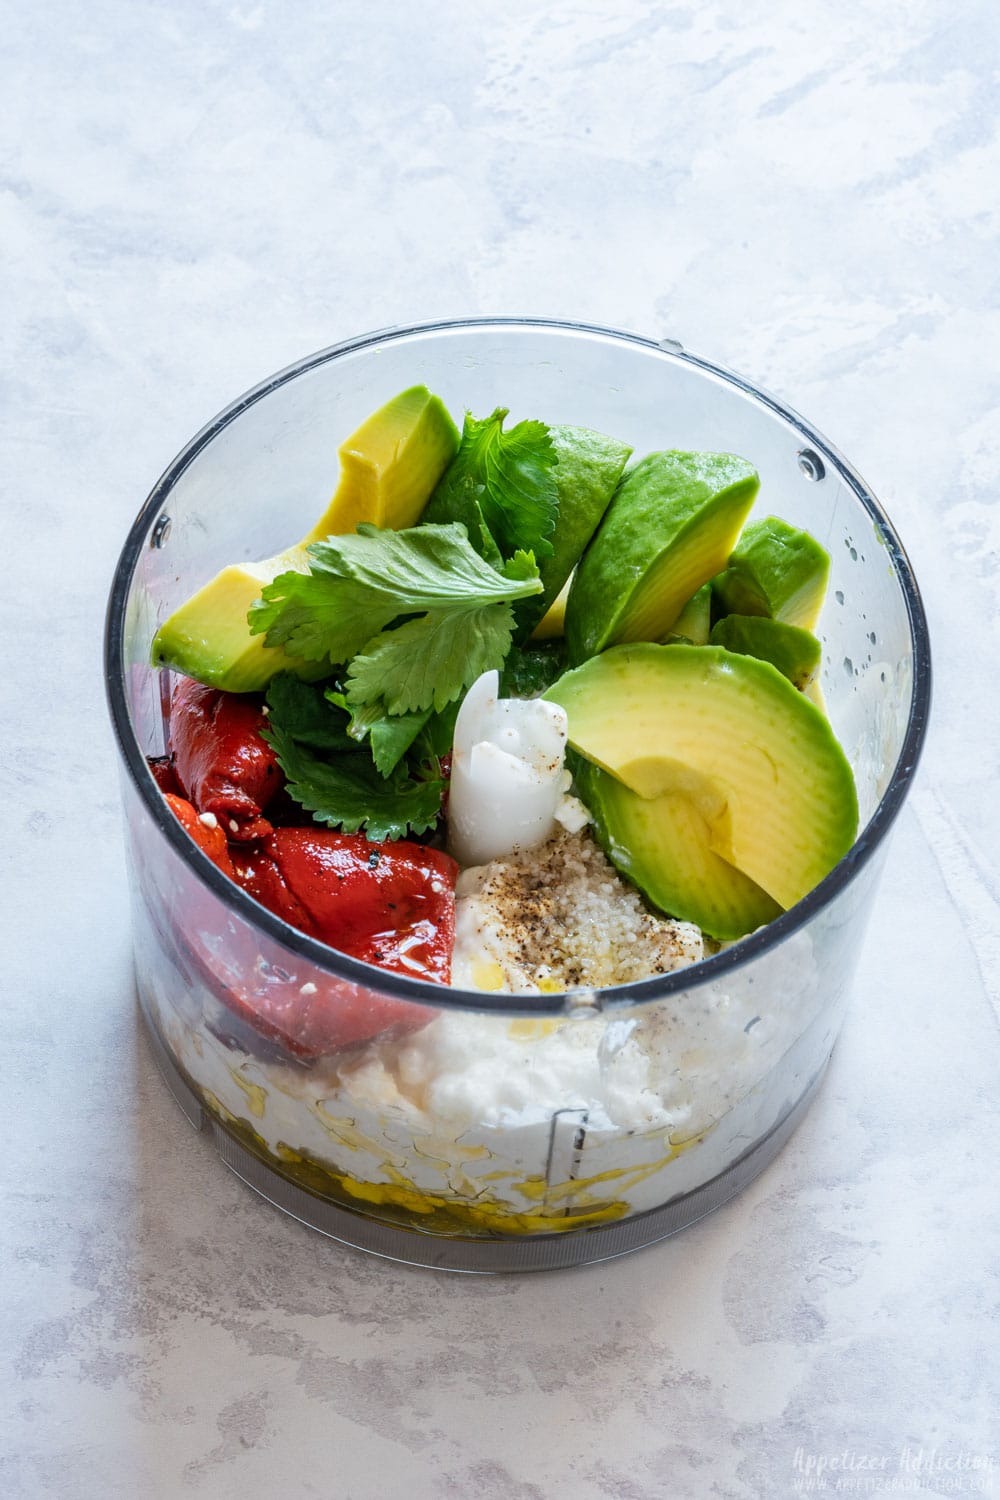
point(507, 774)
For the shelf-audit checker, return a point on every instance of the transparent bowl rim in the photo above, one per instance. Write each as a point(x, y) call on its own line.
point(339, 965)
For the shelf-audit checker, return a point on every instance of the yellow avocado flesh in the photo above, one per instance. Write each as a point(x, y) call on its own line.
point(693, 625)
point(795, 652)
point(388, 468)
point(208, 637)
point(682, 568)
point(756, 759)
point(390, 465)
point(662, 845)
point(553, 622)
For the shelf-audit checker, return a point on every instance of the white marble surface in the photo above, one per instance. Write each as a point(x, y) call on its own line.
point(195, 195)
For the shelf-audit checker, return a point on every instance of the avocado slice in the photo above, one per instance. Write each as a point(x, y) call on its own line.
point(694, 623)
point(795, 652)
point(758, 761)
point(661, 844)
point(388, 469)
point(776, 571)
point(552, 625)
point(390, 465)
point(671, 526)
point(589, 467)
point(208, 637)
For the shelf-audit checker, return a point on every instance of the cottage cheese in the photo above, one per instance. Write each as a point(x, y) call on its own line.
point(515, 1126)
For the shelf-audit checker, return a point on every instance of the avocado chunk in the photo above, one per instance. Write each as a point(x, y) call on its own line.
point(694, 623)
point(388, 469)
point(552, 625)
point(390, 465)
point(208, 637)
point(757, 760)
point(776, 571)
point(795, 652)
point(589, 466)
point(671, 526)
point(661, 844)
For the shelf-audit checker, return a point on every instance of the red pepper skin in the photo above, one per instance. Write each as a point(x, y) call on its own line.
point(391, 904)
point(211, 840)
point(338, 1016)
point(221, 761)
point(162, 767)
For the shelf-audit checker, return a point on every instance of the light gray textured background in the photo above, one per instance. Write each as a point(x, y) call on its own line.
point(193, 195)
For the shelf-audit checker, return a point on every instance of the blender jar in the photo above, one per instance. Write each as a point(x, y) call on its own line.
point(483, 1131)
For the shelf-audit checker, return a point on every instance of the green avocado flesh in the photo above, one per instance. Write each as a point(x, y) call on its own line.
point(587, 474)
point(757, 760)
point(776, 571)
point(661, 844)
point(795, 652)
point(670, 528)
point(693, 625)
point(388, 468)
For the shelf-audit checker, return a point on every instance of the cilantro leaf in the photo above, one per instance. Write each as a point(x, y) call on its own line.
point(310, 716)
point(428, 662)
point(503, 482)
point(341, 782)
point(389, 736)
point(424, 567)
point(437, 736)
point(520, 565)
point(318, 616)
point(348, 792)
point(358, 584)
point(392, 736)
point(480, 536)
point(361, 720)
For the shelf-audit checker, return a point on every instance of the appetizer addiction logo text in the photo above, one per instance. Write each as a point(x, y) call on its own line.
point(905, 1472)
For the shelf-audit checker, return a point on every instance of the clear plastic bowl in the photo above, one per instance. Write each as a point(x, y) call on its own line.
point(511, 1132)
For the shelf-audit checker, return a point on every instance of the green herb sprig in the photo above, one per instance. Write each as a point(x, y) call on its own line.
point(346, 784)
point(449, 611)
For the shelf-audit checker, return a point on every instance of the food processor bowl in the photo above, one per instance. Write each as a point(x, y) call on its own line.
point(502, 1132)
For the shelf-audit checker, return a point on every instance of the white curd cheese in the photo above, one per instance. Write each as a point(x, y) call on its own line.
point(535, 1117)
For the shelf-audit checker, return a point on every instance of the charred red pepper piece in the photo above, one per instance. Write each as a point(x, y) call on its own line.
point(207, 836)
point(222, 763)
point(332, 1017)
point(391, 904)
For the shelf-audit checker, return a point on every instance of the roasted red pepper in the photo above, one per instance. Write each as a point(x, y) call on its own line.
point(208, 836)
point(221, 761)
point(391, 904)
point(315, 1019)
point(162, 767)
